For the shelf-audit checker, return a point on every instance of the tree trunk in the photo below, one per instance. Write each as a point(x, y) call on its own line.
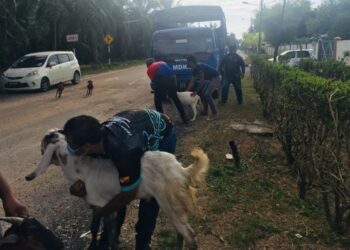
point(275, 53)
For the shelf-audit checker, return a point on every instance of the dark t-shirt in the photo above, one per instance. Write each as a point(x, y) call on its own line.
point(209, 72)
point(233, 66)
point(127, 135)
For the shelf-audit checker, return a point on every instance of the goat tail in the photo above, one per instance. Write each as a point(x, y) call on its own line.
point(196, 171)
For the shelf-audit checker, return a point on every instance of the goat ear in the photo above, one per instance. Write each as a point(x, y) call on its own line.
point(61, 131)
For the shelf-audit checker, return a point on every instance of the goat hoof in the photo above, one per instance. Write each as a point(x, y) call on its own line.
point(193, 246)
point(30, 177)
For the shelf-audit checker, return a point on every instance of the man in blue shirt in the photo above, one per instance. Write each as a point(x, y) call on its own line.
point(209, 81)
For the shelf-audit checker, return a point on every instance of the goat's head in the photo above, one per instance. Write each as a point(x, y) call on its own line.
point(53, 149)
point(28, 233)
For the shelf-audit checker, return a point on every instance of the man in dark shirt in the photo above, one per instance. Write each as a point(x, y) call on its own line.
point(123, 138)
point(233, 67)
point(208, 79)
point(163, 82)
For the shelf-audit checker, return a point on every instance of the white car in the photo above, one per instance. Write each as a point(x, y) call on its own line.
point(293, 57)
point(41, 70)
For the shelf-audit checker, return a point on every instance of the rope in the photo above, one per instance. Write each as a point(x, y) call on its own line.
point(122, 122)
point(159, 125)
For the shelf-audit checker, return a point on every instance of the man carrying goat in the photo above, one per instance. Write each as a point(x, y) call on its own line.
point(123, 138)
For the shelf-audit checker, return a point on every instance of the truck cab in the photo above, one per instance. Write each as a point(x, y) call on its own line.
point(174, 45)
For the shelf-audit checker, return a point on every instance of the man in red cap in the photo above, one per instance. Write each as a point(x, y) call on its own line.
point(163, 83)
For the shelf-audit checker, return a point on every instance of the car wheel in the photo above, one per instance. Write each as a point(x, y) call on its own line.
point(76, 77)
point(45, 84)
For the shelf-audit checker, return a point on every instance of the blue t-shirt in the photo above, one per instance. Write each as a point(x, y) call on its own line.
point(209, 72)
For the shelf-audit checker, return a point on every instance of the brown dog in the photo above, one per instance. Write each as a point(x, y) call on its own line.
point(60, 88)
point(89, 87)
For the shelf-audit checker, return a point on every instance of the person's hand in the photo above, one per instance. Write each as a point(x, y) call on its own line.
point(14, 207)
point(78, 189)
point(242, 76)
point(193, 93)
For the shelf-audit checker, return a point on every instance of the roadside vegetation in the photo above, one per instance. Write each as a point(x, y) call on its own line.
point(256, 205)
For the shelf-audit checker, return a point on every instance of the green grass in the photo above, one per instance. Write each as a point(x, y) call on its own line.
point(249, 230)
point(220, 180)
point(166, 239)
point(259, 199)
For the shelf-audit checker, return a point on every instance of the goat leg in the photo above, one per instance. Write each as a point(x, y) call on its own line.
point(111, 230)
point(235, 154)
point(94, 228)
point(179, 241)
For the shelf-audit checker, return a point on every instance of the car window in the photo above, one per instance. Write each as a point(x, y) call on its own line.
point(303, 54)
point(29, 62)
point(289, 55)
point(63, 58)
point(53, 59)
point(71, 57)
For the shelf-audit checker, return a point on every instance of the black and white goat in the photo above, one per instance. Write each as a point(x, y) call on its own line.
point(28, 234)
point(164, 178)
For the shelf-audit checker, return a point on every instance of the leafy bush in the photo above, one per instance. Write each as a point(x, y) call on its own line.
point(330, 69)
point(312, 119)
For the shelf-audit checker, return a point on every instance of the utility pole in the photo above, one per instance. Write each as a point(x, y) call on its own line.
point(283, 10)
point(260, 21)
point(280, 29)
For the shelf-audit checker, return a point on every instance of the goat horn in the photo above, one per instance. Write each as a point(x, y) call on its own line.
point(13, 220)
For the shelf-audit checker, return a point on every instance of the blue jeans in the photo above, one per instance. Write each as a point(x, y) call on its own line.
point(148, 210)
point(236, 82)
point(207, 95)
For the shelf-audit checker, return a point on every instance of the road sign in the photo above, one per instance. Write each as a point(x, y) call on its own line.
point(108, 39)
point(72, 38)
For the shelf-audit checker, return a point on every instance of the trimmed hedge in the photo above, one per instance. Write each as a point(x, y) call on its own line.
point(312, 122)
point(330, 69)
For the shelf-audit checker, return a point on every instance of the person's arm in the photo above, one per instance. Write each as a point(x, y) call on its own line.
point(242, 64)
point(222, 64)
point(190, 85)
point(12, 206)
point(118, 202)
point(201, 81)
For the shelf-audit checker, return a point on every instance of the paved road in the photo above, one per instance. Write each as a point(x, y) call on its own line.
point(24, 119)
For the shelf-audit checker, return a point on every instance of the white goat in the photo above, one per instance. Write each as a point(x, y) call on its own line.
point(188, 100)
point(164, 178)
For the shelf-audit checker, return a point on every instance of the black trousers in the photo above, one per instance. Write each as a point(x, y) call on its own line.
point(236, 82)
point(167, 86)
point(148, 209)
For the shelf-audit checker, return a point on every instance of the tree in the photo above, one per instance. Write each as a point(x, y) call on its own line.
point(332, 17)
point(281, 24)
point(250, 41)
point(37, 25)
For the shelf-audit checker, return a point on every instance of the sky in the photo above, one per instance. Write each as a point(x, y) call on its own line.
point(238, 14)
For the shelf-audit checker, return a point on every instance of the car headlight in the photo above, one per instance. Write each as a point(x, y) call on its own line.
point(32, 73)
